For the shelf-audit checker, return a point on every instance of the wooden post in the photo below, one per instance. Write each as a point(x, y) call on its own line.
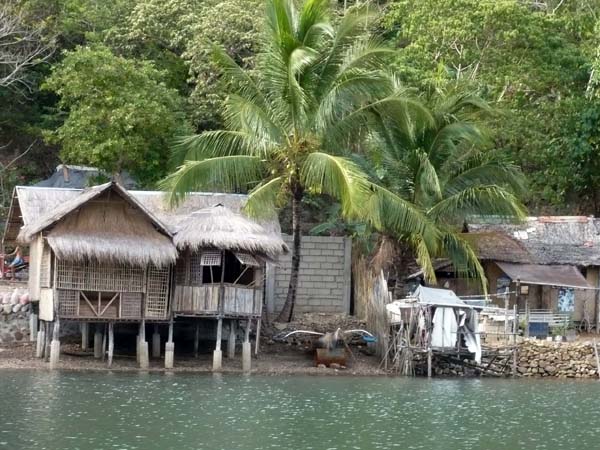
point(104, 341)
point(97, 341)
point(597, 358)
point(247, 349)
point(231, 340)
point(429, 362)
point(197, 339)
point(506, 298)
point(33, 327)
point(111, 343)
point(515, 323)
point(84, 326)
point(514, 361)
point(257, 343)
point(170, 348)
point(218, 354)
point(156, 342)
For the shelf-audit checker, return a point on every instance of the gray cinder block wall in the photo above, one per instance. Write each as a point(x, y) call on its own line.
point(324, 284)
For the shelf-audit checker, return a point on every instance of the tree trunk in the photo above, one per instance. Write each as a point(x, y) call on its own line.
point(287, 312)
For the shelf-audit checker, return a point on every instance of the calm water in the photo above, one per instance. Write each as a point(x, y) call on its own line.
point(42, 410)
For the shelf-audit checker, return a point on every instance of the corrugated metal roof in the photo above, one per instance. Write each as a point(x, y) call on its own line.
point(548, 275)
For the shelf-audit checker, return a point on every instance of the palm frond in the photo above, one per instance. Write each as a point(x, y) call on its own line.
point(463, 258)
point(228, 173)
point(210, 144)
point(423, 257)
point(265, 198)
point(478, 200)
point(490, 172)
point(338, 177)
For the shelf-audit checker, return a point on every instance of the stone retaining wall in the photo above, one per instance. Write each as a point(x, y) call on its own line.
point(557, 359)
point(14, 315)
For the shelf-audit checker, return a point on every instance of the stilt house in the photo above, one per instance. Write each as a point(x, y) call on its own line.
point(100, 256)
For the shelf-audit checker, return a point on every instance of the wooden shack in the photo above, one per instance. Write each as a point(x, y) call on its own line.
point(220, 270)
point(107, 256)
point(99, 257)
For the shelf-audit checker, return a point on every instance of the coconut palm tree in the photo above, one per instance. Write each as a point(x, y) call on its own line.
point(292, 122)
point(447, 170)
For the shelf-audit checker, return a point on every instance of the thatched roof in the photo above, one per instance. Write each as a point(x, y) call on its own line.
point(219, 227)
point(496, 246)
point(573, 240)
point(34, 209)
point(106, 224)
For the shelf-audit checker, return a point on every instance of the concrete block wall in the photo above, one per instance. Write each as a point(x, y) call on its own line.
point(324, 283)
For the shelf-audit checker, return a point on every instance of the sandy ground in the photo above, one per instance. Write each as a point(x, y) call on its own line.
point(273, 359)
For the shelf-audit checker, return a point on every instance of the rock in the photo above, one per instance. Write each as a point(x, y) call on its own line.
point(321, 366)
point(280, 326)
point(334, 366)
point(551, 370)
point(19, 336)
point(16, 308)
point(7, 308)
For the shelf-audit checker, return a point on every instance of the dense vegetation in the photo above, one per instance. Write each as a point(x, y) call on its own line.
point(431, 107)
point(533, 61)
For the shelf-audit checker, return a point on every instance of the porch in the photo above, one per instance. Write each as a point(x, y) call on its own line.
point(213, 300)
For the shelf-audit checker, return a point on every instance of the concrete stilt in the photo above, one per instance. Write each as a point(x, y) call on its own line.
point(247, 350)
point(85, 327)
point(97, 342)
point(111, 343)
point(41, 340)
point(55, 344)
point(170, 348)
point(33, 327)
point(231, 340)
point(156, 343)
point(143, 347)
point(48, 338)
point(218, 354)
point(169, 355)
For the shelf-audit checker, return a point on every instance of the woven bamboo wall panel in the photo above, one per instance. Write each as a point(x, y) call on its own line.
point(68, 303)
point(157, 293)
point(131, 305)
point(99, 277)
point(45, 266)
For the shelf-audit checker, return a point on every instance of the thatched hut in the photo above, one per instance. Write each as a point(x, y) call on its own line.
point(100, 256)
point(221, 265)
point(105, 255)
point(220, 270)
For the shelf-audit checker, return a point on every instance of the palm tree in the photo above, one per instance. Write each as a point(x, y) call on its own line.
point(291, 123)
point(447, 170)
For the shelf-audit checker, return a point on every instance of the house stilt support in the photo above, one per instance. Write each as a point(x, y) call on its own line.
point(247, 349)
point(111, 343)
point(218, 354)
point(41, 340)
point(84, 327)
point(231, 340)
point(143, 347)
point(196, 339)
point(156, 342)
point(97, 341)
point(170, 348)
point(55, 344)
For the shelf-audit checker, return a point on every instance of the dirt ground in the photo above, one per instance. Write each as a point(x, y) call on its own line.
point(276, 356)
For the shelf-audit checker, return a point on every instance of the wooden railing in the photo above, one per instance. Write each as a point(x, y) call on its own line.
point(207, 300)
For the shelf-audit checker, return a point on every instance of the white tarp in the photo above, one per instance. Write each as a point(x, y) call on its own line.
point(445, 327)
point(438, 297)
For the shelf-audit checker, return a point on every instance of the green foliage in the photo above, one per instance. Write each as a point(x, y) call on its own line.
point(118, 114)
point(530, 61)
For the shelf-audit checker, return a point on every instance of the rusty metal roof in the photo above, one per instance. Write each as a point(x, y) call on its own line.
point(549, 275)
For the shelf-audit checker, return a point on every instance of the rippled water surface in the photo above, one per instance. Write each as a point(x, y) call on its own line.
point(43, 410)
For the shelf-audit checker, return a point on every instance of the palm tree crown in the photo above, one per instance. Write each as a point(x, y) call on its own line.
point(291, 124)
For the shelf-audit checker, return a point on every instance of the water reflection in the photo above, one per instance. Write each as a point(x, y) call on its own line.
point(52, 410)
